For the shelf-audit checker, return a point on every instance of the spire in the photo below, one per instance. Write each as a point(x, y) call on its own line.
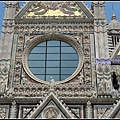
point(11, 8)
point(113, 16)
point(114, 23)
point(98, 8)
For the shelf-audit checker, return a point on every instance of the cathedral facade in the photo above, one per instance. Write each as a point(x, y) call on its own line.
point(59, 60)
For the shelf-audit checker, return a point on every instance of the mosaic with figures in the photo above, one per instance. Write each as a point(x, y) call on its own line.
point(54, 9)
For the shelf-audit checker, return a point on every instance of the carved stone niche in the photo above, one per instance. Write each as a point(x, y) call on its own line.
point(86, 39)
point(87, 78)
point(4, 68)
point(3, 85)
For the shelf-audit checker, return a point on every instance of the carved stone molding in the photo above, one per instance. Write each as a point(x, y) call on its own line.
point(64, 38)
point(13, 111)
point(89, 110)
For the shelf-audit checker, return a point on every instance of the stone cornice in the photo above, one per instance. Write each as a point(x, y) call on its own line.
point(53, 19)
point(67, 100)
point(115, 110)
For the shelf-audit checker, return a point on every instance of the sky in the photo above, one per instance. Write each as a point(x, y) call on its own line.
point(110, 7)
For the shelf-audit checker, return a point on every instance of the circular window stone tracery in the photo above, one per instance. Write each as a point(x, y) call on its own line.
point(54, 56)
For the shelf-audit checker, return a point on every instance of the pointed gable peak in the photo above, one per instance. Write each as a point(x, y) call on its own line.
point(51, 104)
point(56, 9)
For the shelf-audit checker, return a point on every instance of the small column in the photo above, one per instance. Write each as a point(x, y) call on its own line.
point(89, 110)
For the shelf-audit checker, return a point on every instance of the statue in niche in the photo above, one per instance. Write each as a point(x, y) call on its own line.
point(88, 93)
point(69, 28)
point(76, 94)
point(86, 52)
point(82, 92)
point(53, 28)
point(27, 92)
point(63, 93)
point(87, 65)
point(3, 85)
point(87, 80)
point(69, 93)
point(102, 86)
point(57, 92)
point(81, 79)
point(86, 40)
point(52, 82)
point(19, 53)
point(108, 86)
point(24, 79)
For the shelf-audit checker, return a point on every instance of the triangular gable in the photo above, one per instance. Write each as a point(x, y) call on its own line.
point(115, 110)
point(115, 57)
point(37, 10)
point(49, 105)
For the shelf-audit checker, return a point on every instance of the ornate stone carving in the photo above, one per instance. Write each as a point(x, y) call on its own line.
point(103, 76)
point(104, 86)
point(24, 80)
point(4, 111)
point(3, 85)
point(39, 39)
point(102, 111)
point(52, 84)
point(89, 110)
point(51, 112)
point(81, 79)
point(13, 110)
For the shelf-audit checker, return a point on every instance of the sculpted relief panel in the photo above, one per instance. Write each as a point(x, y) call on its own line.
point(28, 33)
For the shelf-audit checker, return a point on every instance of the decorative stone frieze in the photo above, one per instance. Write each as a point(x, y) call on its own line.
point(106, 111)
point(4, 109)
point(4, 71)
point(51, 28)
